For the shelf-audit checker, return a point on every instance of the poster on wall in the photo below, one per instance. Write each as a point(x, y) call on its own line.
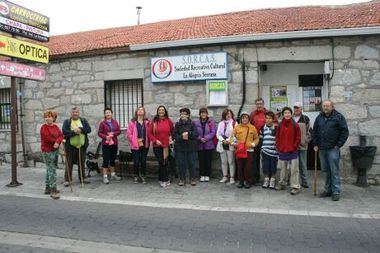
point(312, 98)
point(217, 93)
point(278, 98)
point(206, 66)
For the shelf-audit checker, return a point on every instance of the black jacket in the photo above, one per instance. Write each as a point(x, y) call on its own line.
point(330, 132)
point(185, 145)
point(68, 133)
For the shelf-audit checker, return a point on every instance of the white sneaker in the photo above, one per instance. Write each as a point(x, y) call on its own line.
point(272, 183)
point(202, 179)
point(114, 177)
point(224, 180)
point(105, 180)
point(232, 181)
point(266, 182)
point(207, 179)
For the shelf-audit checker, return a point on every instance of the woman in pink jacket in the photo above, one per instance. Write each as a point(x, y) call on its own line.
point(108, 130)
point(138, 138)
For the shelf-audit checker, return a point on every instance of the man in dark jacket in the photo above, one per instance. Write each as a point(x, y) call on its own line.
point(185, 146)
point(75, 131)
point(330, 132)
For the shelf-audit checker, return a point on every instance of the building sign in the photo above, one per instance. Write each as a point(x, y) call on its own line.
point(278, 98)
point(24, 22)
point(8, 68)
point(24, 50)
point(217, 92)
point(189, 67)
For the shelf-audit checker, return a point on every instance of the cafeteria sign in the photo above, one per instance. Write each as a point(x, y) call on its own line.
point(23, 22)
point(207, 66)
point(24, 50)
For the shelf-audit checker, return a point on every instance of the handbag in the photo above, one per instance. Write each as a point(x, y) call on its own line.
point(241, 150)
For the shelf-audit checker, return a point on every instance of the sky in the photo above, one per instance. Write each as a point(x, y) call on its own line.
point(70, 16)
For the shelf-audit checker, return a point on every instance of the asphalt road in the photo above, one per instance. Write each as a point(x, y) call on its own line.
point(182, 230)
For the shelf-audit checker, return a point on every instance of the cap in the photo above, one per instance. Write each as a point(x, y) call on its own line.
point(187, 110)
point(244, 113)
point(297, 104)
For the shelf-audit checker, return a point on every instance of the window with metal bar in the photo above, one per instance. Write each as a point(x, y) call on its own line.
point(5, 108)
point(123, 96)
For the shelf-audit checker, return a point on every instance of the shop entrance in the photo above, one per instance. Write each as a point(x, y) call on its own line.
point(283, 84)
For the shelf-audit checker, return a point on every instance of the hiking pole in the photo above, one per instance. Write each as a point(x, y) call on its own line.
point(315, 172)
point(66, 166)
point(80, 167)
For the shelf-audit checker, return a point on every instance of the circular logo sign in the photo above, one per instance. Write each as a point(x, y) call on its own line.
point(162, 68)
point(4, 9)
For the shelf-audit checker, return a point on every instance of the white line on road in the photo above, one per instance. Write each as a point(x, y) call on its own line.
point(207, 208)
point(70, 245)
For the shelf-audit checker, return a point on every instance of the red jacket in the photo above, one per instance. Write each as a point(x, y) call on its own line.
point(287, 138)
point(160, 130)
point(104, 129)
point(50, 135)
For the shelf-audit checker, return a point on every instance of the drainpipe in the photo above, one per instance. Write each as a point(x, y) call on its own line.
point(21, 94)
point(244, 91)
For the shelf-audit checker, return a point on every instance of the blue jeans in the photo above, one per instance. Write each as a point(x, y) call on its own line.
point(186, 158)
point(329, 159)
point(302, 154)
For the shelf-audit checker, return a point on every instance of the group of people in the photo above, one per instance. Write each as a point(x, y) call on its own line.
point(260, 140)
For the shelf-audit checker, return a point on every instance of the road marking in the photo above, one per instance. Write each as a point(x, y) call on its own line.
point(70, 245)
point(375, 216)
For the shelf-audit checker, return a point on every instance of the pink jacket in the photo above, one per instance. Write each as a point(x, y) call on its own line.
point(132, 134)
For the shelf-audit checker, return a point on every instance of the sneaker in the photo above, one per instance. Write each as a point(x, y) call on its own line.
point(240, 184)
point(247, 185)
point(54, 195)
point(272, 183)
point(202, 179)
point(143, 180)
point(266, 182)
point(116, 178)
point(193, 182)
point(47, 190)
point(207, 179)
point(224, 180)
point(280, 187)
point(105, 180)
point(181, 183)
point(167, 183)
point(335, 197)
point(295, 191)
point(136, 180)
point(66, 184)
point(325, 194)
point(232, 181)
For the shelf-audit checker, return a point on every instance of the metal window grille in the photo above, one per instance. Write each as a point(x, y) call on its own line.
point(124, 96)
point(5, 108)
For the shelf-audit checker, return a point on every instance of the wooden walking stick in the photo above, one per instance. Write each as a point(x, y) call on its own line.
point(315, 172)
point(80, 167)
point(66, 166)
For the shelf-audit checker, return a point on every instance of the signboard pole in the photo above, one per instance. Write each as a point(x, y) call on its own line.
point(14, 182)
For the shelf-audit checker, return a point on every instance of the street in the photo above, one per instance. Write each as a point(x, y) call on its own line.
point(178, 230)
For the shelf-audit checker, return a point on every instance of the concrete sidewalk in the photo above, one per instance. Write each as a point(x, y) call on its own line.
point(355, 201)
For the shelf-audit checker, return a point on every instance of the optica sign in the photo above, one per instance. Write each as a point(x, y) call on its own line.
point(8, 68)
point(24, 50)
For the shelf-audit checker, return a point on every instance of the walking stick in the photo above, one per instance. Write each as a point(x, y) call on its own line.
point(315, 172)
point(66, 166)
point(80, 167)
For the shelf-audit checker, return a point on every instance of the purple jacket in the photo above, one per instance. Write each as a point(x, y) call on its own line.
point(104, 129)
point(209, 134)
